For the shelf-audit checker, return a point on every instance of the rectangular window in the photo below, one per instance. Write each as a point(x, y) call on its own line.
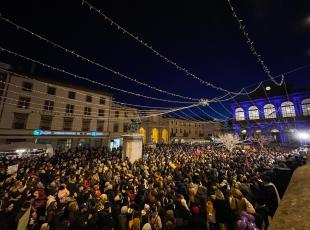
point(126, 114)
point(27, 86)
point(20, 120)
point(102, 101)
point(125, 128)
point(101, 112)
point(100, 125)
point(85, 124)
point(115, 128)
point(89, 98)
point(69, 108)
point(71, 95)
point(46, 122)
point(24, 102)
point(116, 114)
point(48, 105)
point(87, 111)
point(51, 90)
point(68, 121)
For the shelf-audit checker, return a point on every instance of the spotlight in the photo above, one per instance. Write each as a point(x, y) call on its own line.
point(303, 135)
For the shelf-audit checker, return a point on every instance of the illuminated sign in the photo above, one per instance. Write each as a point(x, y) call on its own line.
point(39, 132)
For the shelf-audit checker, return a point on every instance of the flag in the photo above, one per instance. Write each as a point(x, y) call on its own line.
point(23, 221)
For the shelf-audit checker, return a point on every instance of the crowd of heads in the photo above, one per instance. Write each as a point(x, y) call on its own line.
point(177, 186)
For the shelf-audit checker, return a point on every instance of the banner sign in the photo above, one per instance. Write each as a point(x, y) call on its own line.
point(39, 132)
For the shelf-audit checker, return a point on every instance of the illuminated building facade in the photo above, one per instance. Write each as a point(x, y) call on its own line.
point(165, 130)
point(281, 117)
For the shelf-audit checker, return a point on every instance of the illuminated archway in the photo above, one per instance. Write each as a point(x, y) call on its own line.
point(155, 135)
point(164, 136)
point(142, 132)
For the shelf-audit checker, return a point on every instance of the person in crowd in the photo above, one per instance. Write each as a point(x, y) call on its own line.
point(173, 188)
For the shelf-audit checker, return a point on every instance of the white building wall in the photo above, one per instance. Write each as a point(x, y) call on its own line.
point(38, 95)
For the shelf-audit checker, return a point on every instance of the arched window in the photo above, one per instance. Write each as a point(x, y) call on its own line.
point(239, 114)
point(288, 109)
point(143, 133)
point(253, 113)
point(305, 104)
point(269, 111)
point(165, 136)
point(155, 135)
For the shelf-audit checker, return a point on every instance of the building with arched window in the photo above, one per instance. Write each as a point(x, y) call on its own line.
point(277, 116)
point(165, 130)
point(305, 104)
point(253, 113)
point(288, 109)
point(239, 114)
point(269, 111)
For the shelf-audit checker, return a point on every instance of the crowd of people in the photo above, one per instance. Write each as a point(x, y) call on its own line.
point(177, 186)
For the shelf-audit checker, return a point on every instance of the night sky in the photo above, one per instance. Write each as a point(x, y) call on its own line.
point(201, 36)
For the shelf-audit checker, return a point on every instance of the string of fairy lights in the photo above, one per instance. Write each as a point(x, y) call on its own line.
point(65, 100)
point(83, 58)
point(252, 48)
point(80, 103)
point(100, 65)
point(2, 49)
point(202, 102)
point(117, 103)
point(156, 52)
point(195, 102)
point(147, 113)
point(56, 45)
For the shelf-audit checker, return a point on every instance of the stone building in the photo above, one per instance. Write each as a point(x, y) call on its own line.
point(282, 117)
point(44, 111)
point(163, 129)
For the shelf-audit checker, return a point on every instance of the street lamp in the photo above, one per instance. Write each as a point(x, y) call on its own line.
point(303, 136)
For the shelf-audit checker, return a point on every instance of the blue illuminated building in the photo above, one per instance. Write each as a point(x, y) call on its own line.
point(280, 117)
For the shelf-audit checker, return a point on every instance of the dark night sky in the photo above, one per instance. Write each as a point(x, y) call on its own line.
point(201, 36)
